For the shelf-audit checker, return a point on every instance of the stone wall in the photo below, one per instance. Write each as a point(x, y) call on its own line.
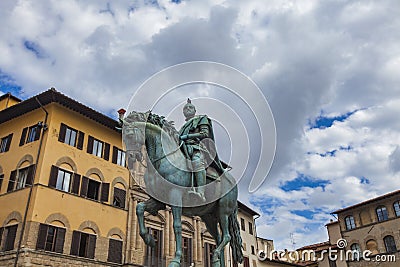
point(31, 258)
point(374, 262)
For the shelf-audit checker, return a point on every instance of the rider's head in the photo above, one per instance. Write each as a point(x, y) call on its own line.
point(189, 110)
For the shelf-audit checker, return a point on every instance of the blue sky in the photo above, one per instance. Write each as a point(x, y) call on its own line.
point(333, 87)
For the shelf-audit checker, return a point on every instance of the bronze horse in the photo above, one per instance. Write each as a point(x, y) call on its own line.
point(167, 182)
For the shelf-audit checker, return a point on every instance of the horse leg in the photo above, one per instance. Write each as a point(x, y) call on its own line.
point(177, 215)
point(152, 206)
point(223, 221)
point(211, 223)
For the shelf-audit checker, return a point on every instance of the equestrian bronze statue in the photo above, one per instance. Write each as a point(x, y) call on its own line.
point(180, 166)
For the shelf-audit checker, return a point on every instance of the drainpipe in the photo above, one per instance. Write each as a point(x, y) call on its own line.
point(44, 126)
point(255, 231)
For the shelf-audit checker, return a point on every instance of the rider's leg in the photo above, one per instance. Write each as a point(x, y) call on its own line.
point(199, 171)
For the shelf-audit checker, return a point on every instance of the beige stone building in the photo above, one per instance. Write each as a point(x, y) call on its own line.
point(365, 234)
point(67, 198)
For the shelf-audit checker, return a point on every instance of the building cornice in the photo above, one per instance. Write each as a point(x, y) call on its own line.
point(53, 96)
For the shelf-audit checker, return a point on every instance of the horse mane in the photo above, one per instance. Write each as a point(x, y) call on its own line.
point(160, 121)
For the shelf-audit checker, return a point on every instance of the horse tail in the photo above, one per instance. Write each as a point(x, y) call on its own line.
point(236, 239)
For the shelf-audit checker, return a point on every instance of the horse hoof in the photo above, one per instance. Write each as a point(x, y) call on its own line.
point(174, 264)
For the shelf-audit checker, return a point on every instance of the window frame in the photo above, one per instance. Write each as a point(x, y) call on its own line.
point(5, 143)
point(350, 222)
point(58, 240)
point(9, 240)
point(118, 192)
point(33, 133)
point(64, 136)
point(102, 192)
point(382, 213)
point(390, 244)
point(119, 156)
point(187, 251)
point(83, 247)
point(356, 247)
point(251, 228)
point(15, 182)
point(30, 134)
point(115, 250)
point(242, 225)
point(94, 149)
point(65, 172)
point(22, 177)
point(396, 208)
point(71, 136)
point(74, 183)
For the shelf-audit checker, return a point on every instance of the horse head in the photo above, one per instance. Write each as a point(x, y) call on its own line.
point(133, 134)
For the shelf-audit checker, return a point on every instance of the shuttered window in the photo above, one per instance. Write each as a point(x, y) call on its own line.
point(242, 224)
point(51, 238)
point(64, 180)
point(98, 148)
point(91, 189)
point(71, 136)
point(9, 235)
point(30, 134)
point(118, 156)
point(119, 198)
point(115, 251)
point(5, 143)
point(21, 178)
point(250, 228)
point(83, 244)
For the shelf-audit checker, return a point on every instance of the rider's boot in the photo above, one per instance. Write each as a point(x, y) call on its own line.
point(201, 182)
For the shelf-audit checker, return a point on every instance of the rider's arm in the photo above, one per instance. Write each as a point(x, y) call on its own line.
point(204, 132)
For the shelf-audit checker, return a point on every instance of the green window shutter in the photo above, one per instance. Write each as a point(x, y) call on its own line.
point(23, 136)
point(37, 133)
point(53, 176)
point(10, 240)
point(84, 187)
point(115, 251)
point(76, 238)
point(91, 246)
point(41, 241)
point(106, 151)
point(12, 181)
point(114, 155)
point(90, 145)
point(81, 136)
point(105, 189)
point(9, 138)
point(75, 184)
point(30, 178)
point(60, 238)
point(63, 131)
